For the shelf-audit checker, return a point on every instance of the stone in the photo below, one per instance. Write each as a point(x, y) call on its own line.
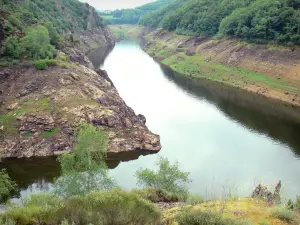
point(13, 106)
point(262, 192)
point(142, 118)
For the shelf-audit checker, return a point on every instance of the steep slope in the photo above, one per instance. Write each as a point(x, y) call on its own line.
point(40, 110)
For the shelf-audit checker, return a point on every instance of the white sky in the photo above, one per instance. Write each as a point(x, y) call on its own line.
point(116, 4)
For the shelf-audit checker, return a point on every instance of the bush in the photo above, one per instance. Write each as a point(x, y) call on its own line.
point(168, 178)
point(7, 186)
point(12, 47)
point(206, 218)
point(264, 222)
point(36, 44)
point(64, 58)
point(156, 196)
point(283, 214)
point(103, 208)
point(194, 199)
point(43, 64)
point(15, 62)
point(4, 64)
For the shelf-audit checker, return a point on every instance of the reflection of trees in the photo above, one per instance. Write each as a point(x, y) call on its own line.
point(98, 56)
point(272, 118)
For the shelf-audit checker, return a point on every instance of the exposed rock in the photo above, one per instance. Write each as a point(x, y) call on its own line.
point(142, 118)
point(13, 106)
point(48, 125)
point(262, 192)
point(190, 52)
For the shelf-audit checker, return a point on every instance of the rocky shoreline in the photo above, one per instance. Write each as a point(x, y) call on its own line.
point(40, 109)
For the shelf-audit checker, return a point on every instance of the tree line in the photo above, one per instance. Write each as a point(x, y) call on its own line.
point(259, 21)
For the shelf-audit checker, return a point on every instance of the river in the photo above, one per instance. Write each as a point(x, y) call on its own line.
point(228, 140)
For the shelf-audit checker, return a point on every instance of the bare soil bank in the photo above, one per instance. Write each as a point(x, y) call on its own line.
point(270, 71)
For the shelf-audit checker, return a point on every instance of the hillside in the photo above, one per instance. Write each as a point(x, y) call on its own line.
point(259, 21)
point(47, 87)
point(132, 16)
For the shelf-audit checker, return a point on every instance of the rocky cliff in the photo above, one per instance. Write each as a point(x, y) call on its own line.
point(40, 109)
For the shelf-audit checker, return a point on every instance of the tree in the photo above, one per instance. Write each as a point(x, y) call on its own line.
point(36, 44)
point(85, 169)
point(7, 186)
point(168, 178)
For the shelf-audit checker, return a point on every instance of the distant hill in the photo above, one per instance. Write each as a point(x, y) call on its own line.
point(132, 16)
point(260, 21)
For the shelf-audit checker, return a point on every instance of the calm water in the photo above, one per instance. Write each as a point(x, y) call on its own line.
point(225, 138)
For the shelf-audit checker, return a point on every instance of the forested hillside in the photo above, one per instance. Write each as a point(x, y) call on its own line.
point(259, 21)
point(34, 29)
point(132, 16)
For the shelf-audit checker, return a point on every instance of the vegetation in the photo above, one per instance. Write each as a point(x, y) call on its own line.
point(85, 170)
point(206, 218)
point(168, 178)
point(103, 208)
point(34, 29)
point(283, 214)
point(132, 16)
point(7, 186)
point(259, 21)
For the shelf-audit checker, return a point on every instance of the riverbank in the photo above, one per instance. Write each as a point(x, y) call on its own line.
point(270, 71)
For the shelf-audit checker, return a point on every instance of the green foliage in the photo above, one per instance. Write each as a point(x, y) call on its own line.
point(4, 64)
point(10, 126)
point(258, 21)
point(43, 64)
point(85, 170)
point(283, 214)
point(55, 38)
point(297, 204)
point(64, 58)
point(98, 208)
point(12, 47)
point(36, 44)
point(194, 199)
point(192, 217)
point(48, 134)
point(264, 222)
point(168, 178)
point(132, 16)
point(7, 186)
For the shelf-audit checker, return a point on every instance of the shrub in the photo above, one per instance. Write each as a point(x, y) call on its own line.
point(103, 208)
point(168, 178)
point(194, 199)
point(283, 214)
point(7, 186)
point(43, 64)
point(15, 62)
point(85, 169)
point(156, 196)
point(297, 204)
point(36, 44)
point(12, 47)
point(64, 57)
point(206, 218)
point(4, 64)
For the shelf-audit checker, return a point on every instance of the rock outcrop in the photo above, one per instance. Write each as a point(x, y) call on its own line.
point(42, 108)
point(262, 192)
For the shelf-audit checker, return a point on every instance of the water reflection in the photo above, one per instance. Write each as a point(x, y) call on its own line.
point(97, 56)
point(273, 118)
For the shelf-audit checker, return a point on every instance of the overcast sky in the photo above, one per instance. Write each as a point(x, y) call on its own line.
point(116, 4)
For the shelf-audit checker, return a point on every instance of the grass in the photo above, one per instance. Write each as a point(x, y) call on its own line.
point(9, 126)
point(283, 214)
point(48, 134)
point(194, 199)
point(198, 67)
point(107, 207)
point(207, 218)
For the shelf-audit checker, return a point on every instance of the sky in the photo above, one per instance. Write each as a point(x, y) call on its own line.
point(116, 4)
